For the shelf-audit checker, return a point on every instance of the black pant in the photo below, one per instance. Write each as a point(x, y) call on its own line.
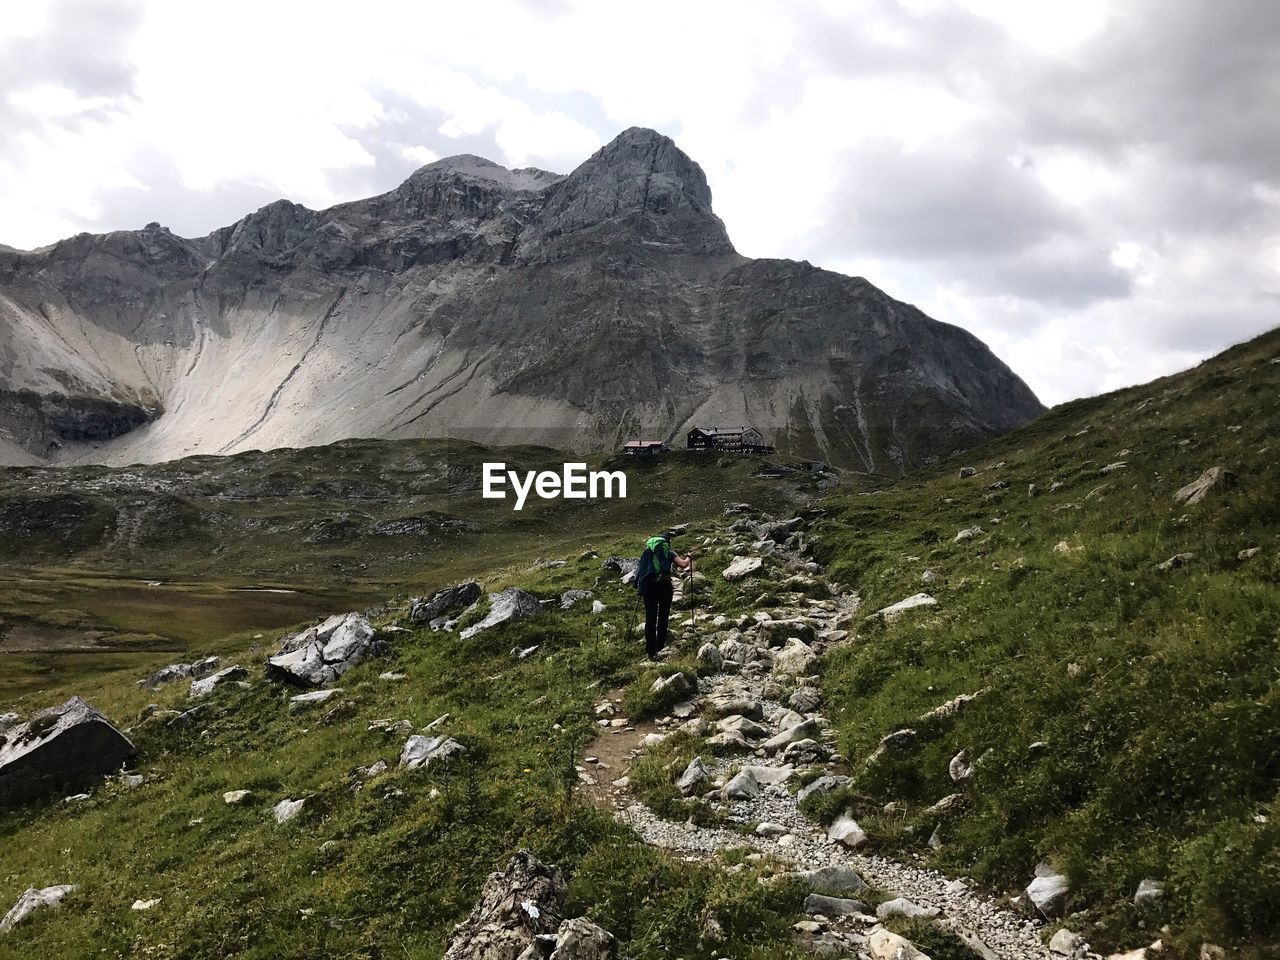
point(657, 610)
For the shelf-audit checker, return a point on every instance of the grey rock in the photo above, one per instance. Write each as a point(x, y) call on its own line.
point(968, 533)
point(709, 658)
point(1200, 488)
point(743, 786)
point(457, 597)
point(1176, 561)
point(805, 752)
point(320, 655)
point(846, 831)
point(960, 769)
point(914, 602)
point(180, 671)
point(805, 699)
point(1048, 892)
point(571, 597)
point(57, 749)
point(1068, 943)
point(695, 775)
point(748, 728)
point(32, 900)
point(823, 785)
point(619, 565)
point(743, 567)
point(422, 751)
point(580, 939)
point(902, 907)
point(966, 472)
point(677, 684)
point(796, 659)
point(504, 607)
point(833, 906)
point(516, 907)
point(837, 878)
point(885, 945)
point(206, 686)
point(287, 809)
point(313, 697)
point(807, 730)
point(236, 798)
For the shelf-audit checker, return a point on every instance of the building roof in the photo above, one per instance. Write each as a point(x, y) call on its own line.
point(644, 443)
point(722, 431)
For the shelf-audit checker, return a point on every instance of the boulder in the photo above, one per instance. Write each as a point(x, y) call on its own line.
point(421, 751)
point(580, 939)
point(234, 798)
point(744, 786)
point(511, 604)
point(729, 704)
point(966, 472)
point(321, 654)
point(695, 775)
point(675, 685)
point(807, 730)
point(206, 686)
point(796, 659)
point(845, 831)
point(805, 699)
point(58, 749)
point(732, 739)
point(458, 596)
point(287, 809)
point(571, 597)
point(518, 906)
point(1068, 943)
point(894, 611)
point(597, 606)
point(884, 945)
point(805, 752)
point(743, 567)
point(781, 630)
point(960, 769)
point(968, 533)
point(1199, 488)
point(180, 671)
point(833, 906)
point(32, 900)
point(710, 660)
point(1176, 561)
point(311, 697)
point(823, 785)
point(837, 878)
point(902, 907)
point(1047, 893)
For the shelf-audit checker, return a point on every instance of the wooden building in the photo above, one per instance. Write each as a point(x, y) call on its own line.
point(728, 440)
point(644, 448)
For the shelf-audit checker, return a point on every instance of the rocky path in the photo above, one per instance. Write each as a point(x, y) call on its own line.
point(758, 701)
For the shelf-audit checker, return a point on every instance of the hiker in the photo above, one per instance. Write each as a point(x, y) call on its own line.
point(653, 581)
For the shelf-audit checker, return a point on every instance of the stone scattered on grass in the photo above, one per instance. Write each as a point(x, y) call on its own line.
point(32, 900)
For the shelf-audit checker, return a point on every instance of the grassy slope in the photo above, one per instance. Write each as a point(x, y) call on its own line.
point(398, 867)
point(1155, 692)
point(260, 519)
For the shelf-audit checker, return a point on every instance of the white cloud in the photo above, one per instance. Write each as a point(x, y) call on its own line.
point(1046, 175)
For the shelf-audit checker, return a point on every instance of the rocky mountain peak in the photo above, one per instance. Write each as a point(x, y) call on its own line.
point(640, 184)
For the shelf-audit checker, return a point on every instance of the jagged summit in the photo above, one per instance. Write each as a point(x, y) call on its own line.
point(479, 302)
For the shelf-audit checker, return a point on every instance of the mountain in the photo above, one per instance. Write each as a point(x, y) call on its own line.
point(502, 306)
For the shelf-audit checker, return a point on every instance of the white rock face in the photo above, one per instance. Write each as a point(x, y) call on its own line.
point(206, 686)
point(32, 900)
point(237, 797)
point(903, 606)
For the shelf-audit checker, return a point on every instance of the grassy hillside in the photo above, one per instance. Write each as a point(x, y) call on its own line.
point(103, 568)
point(1130, 721)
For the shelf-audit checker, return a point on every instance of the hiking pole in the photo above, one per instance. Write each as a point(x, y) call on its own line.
point(693, 609)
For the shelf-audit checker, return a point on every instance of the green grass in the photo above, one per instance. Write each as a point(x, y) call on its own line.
point(1154, 692)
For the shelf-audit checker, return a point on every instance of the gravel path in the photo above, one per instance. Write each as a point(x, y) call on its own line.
point(792, 838)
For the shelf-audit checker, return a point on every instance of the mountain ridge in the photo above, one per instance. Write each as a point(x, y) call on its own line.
point(485, 303)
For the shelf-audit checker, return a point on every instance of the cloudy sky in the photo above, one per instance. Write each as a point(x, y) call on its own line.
point(1093, 188)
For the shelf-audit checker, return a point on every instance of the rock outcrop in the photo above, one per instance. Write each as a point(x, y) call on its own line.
point(474, 301)
point(59, 748)
point(322, 654)
point(444, 601)
point(511, 604)
point(522, 903)
point(33, 900)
